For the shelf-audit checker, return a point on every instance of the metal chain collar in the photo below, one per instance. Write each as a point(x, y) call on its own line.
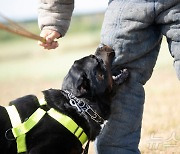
point(83, 108)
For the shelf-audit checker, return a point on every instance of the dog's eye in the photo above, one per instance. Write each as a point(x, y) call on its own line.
point(100, 76)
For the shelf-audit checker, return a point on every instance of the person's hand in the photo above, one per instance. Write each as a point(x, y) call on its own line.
point(50, 36)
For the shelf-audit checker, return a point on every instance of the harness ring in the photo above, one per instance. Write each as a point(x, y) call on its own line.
point(11, 136)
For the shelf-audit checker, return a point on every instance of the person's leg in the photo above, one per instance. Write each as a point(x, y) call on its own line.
point(169, 22)
point(122, 132)
point(128, 28)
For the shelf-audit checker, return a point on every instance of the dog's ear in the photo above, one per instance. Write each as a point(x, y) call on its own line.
point(84, 85)
point(76, 81)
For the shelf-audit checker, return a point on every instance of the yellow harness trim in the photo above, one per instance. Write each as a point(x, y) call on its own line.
point(69, 124)
point(19, 129)
point(29, 124)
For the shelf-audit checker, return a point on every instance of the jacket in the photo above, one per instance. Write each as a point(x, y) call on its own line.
point(55, 14)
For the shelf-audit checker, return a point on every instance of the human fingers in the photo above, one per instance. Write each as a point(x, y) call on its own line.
point(53, 45)
point(44, 34)
point(50, 36)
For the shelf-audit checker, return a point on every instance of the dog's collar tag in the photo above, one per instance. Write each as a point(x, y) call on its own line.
point(83, 108)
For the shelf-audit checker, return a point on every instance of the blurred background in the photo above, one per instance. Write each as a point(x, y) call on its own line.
point(26, 68)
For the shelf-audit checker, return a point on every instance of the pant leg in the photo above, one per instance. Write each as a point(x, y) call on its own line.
point(168, 18)
point(129, 29)
point(121, 134)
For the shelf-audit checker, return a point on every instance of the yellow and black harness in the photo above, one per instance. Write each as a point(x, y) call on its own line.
point(20, 129)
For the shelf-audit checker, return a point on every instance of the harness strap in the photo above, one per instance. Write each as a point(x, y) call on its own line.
point(66, 121)
point(29, 124)
point(13, 115)
point(20, 131)
point(42, 102)
point(69, 124)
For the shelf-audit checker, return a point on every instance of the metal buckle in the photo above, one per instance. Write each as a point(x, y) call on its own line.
point(9, 135)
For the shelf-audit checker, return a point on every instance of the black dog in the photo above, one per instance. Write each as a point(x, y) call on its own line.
point(84, 101)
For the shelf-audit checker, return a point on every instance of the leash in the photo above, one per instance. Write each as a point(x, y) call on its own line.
point(15, 28)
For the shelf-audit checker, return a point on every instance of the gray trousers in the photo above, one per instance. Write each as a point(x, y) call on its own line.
point(134, 29)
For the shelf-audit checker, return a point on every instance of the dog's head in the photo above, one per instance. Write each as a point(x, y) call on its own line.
point(91, 75)
point(90, 78)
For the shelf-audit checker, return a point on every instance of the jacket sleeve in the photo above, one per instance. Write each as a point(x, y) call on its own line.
point(55, 14)
point(170, 27)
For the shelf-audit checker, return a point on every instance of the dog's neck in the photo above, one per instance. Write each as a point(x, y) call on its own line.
point(83, 108)
point(59, 100)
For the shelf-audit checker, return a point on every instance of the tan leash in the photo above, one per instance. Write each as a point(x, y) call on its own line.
point(15, 28)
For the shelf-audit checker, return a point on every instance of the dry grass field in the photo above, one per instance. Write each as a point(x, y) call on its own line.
point(25, 68)
point(161, 122)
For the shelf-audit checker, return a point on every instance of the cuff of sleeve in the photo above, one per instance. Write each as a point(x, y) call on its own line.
point(55, 28)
